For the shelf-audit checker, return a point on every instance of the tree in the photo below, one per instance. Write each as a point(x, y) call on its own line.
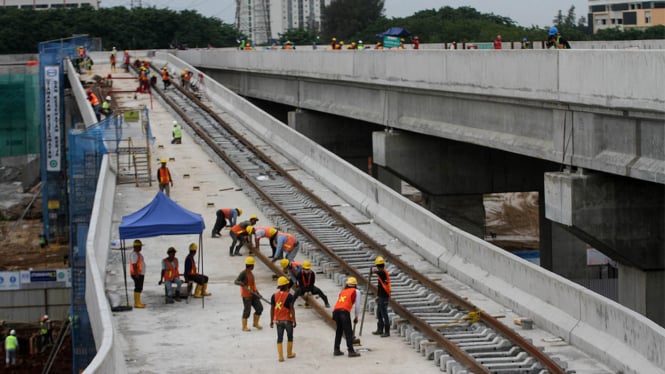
point(345, 18)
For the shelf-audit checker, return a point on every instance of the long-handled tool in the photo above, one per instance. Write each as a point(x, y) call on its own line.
point(362, 319)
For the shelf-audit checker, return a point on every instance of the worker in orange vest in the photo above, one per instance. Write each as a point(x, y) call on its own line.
point(137, 272)
point(251, 298)
point(164, 179)
point(192, 274)
point(286, 245)
point(283, 314)
point(240, 233)
point(171, 275)
point(349, 298)
point(94, 101)
point(222, 215)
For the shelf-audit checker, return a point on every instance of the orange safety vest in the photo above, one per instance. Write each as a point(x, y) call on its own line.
point(164, 175)
point(346, 299)
point(306, 279)
point(244, 292)
point(165, 75)
point(93, 99)
point(238, 229)
point(172, 272)
point(386, 284)
point(293, 268)
point(282, 313)
point(289, 243)
point(227, 212)
point(139, 266)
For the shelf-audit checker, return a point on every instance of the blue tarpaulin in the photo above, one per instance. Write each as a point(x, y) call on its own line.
point(162, 216)
point(394, 31)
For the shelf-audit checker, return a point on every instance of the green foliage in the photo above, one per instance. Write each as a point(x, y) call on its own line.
point(298, 37)
point(346, 18)
point(138, 28)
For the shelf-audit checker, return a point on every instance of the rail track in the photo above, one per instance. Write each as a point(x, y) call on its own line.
point(443, 325)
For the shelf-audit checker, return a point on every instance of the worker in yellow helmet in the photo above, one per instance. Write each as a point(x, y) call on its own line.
point(164, 178)
point(251, 298)
point(305, 283)
point(269, 232)
point(223, 214)
point(349, 298)
point(240, 233)
point(283, 314)
point(137, 272)
point(192, 274)
point(383, 297)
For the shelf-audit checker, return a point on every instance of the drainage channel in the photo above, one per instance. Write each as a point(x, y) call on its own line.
point(439, 324)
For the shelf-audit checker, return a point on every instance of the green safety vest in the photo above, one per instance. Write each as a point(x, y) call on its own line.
point(11, 342)
point(43, 328)
point(177, 132)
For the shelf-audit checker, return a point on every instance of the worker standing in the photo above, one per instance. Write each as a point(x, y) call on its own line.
point(192, 274)
point(137, 272)
point(349, 298)
point(94, 101)
point(166, 79)
point(11, 347)
point(177, 133)
point(305, 284)
point(283, 314)
point(250, 295)
point(164, 178)
point(45, 332)
point(224, 214)
point(240, 233)
point(383, 296)
point(287, 245)
point(171, 275)
point(107, 110)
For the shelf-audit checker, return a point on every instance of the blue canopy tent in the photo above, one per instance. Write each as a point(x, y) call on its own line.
point(394, 31)
point(162, 216)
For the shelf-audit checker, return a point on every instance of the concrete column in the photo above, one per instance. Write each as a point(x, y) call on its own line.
point(642, 291)
point(349, 139)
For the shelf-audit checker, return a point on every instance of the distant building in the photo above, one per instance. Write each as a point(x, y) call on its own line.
point(263, 20)
point(608, 14)
point(48, 4)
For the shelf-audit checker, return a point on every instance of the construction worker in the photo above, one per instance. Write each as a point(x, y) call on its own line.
point(94, 101)
point(166, 78)
point(240, 233)
point(164, 178)
point(113, 60)
point(222, 215)
point(107, 110)
point(177, 133)
point(44, 332)
point(170, 275)
point(349, 298)
point(11, 347)
point(305, 283)
point(383, 297)
point(283, 314)
point(292, 270)
point(286, 245)
point(269, 232)
point(192, 275)
point(251, 298)
point(137, 272)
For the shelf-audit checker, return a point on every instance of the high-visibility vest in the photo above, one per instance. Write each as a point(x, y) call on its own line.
point(192, 270)
point(346, 299)
point(177, 132)
point(164, 177)
point(239, 228)
point(172, 272)
point(43, 328)
point(165, 75)
point(93, 99)
point(244, 292)
point(290, 242)
point(11, 343)
point(106, 106)
point(226, 212)
point(138, 265)
point(385, 285)
point(282, 313)
point(306, 279)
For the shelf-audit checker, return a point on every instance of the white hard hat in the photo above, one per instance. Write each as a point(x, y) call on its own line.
point(13, 332)
point(175, 123)
point(108, 98)
point(45, 316)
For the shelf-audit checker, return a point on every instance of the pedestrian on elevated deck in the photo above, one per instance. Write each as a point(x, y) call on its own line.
point(283, 314)
point(223, 214)
point(251, 298)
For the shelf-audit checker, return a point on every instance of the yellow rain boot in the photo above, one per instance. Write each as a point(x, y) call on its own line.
point(244, 325)
point(205, 288)
point(280, 352)
point(256, 322)
point(289, 350)
point(197, 291)
point(137, 300)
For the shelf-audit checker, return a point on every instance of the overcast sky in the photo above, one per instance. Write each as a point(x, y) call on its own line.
point(523, 12)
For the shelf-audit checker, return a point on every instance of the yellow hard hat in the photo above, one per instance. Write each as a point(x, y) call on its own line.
point(137, 243)
point(250, 230)
point(284, 263)
point(306, 265)
point(193, 247)
point(239, 211)
point(249, 260)
point(351, 281)
point(282, 281)
point(253, 216)
point(163, 161)
point(379, 261)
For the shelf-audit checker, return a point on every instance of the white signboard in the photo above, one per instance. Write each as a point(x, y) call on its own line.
point(10, 280)
point(52, 117)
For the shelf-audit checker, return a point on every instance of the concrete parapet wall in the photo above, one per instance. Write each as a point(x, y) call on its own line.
point(619, 337)
point(550, 75)
point(109, 358)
